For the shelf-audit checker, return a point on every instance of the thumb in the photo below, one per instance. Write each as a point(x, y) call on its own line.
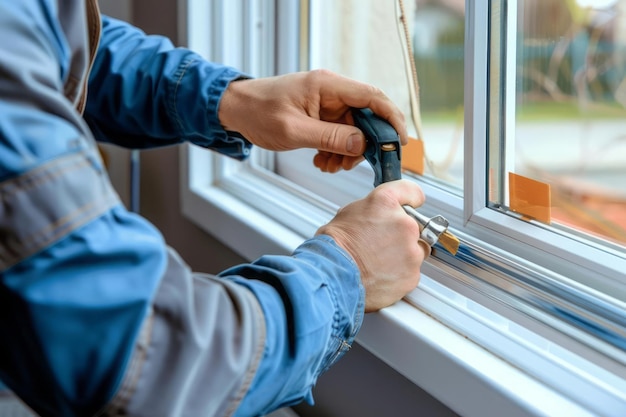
point(332, 137)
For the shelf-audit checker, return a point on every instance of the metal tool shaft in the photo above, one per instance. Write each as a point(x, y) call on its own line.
point(431, 228)
point(383, 151)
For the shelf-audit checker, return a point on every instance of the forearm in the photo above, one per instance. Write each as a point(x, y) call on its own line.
point(253, 339)
point(144, 92)
point(313, 303)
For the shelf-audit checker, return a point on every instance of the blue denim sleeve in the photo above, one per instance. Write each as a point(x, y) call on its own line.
point(314, 303)
point(144, 92)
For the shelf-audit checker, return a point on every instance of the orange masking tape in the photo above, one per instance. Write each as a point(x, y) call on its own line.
point(413, 156)
point(530, 198)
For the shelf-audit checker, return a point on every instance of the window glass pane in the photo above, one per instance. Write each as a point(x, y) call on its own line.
point(438, 44)
point(364, 39)
point(559, 115)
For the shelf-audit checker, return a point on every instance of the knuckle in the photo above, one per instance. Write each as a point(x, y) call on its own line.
point(411, 226)
point(384, 196)
point(317, 76)
point(374, 91)
point(322, 72)
point(421, 197)
point(330, 138)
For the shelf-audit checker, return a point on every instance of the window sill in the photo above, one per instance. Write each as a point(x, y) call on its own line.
point(462, 375)
point(450, 347)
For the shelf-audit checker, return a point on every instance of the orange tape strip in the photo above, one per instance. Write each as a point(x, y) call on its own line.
point(530, 198)
point(413, 156)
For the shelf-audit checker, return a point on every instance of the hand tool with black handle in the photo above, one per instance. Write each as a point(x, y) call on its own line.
point(383, 152)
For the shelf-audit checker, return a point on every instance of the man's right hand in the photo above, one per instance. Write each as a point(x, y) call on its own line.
point(310, 109)
point(383, 240)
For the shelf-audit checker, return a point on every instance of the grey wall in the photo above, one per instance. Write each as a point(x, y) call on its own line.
point(159, 184)
point(360, 384)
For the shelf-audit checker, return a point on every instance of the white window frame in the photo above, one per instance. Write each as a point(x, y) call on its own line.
point(451, 336)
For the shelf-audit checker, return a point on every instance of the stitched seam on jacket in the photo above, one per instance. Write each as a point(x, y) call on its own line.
point(130, 381)
point(30, 226)
point(173, 108)
point(340, 343)
point(33, 182)
point(254, 365)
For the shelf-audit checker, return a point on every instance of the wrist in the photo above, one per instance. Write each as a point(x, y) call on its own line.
point(229, 108)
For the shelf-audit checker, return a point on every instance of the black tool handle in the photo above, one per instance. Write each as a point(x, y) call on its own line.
point(390, 165)
point(383, 149)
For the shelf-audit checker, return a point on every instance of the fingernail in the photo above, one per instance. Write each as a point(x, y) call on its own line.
point(354, 144)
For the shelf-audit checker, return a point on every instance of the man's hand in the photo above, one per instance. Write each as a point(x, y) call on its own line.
point(306, 110)
point(383, 240)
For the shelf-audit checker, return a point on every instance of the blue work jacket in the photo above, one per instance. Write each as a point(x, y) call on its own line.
point(98, 316)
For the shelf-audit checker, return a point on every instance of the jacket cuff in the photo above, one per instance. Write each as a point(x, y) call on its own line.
point(229, 143)
point(198, 91)
point(347, 293)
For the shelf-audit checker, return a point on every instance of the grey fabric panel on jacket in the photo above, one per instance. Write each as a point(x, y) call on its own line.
point(47, 203)
point(203, 335)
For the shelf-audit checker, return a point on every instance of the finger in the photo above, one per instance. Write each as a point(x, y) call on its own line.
point(320, 160)
point(361, 95)
point(404, 192)
point(396, 118)
point(329, 162)
point(336, 138)
point(425, 247)
point(350, 162)
point(334, 163)
point(324, 161)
